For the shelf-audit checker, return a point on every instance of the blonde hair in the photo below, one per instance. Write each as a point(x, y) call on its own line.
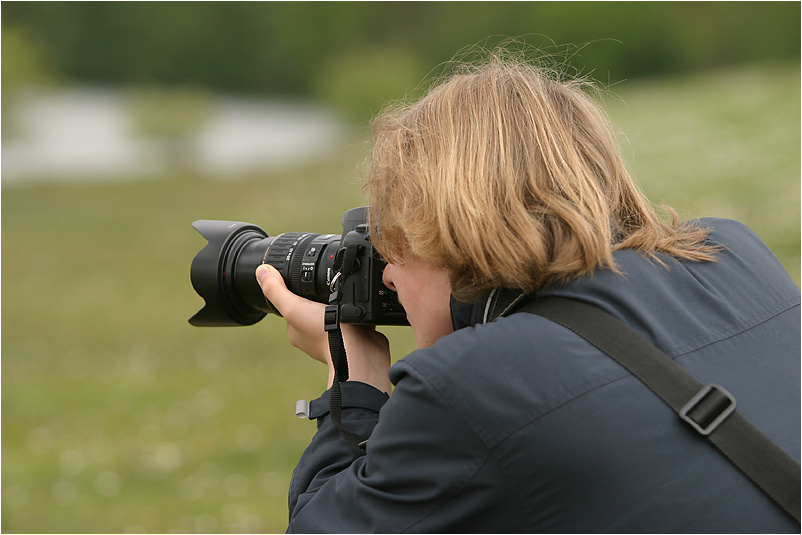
point(507, 176)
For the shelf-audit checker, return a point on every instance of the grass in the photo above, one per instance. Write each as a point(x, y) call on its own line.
point(120, 417)
point(723, 144)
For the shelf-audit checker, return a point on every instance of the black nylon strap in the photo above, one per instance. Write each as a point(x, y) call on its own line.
point(339, 358)
point(335, 412)
point(349, 261)
point(770, 468)
point(337, 349)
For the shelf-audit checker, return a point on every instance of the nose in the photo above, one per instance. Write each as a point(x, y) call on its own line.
point(387, 277)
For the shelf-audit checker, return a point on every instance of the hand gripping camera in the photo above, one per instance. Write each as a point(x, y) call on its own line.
point(311, 264)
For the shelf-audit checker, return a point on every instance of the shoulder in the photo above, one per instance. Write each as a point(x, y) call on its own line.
point(504, 375)
point(681, 305)
point(729, 230)
point(743, 254)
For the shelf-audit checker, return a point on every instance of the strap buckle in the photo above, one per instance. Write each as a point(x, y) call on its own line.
point(708, 408)
point(332, 318)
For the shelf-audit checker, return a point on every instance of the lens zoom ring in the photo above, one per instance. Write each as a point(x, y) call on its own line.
point(276, 254)
point(286, 255)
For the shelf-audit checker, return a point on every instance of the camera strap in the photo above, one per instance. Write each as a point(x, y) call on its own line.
point(708, 409)
point(343, 265)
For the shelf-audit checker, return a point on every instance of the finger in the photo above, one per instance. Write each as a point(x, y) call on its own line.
point(305, 324)
point(275, 289)
point(316, 347)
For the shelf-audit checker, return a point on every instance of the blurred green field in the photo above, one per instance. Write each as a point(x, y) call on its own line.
point(117, 416)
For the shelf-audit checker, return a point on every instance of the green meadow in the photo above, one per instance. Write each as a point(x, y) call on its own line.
point(118, 416)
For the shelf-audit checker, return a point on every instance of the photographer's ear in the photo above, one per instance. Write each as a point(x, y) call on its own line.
point(387, 277)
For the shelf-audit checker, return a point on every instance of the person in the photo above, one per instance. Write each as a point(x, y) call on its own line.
point(506, 178)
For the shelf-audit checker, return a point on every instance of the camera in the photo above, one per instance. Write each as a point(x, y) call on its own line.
point(223, 272)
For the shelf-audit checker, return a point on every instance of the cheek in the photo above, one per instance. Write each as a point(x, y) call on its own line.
point(429, 312)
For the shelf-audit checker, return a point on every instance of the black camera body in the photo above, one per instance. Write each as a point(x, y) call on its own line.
point(223, 272)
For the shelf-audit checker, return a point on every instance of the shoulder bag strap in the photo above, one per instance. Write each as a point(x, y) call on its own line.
point(709, 409)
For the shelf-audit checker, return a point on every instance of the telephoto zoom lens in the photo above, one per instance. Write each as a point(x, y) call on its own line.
point(223, 272)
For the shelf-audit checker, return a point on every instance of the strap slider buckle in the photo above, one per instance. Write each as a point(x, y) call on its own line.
point(708, 408)
point(332, 318)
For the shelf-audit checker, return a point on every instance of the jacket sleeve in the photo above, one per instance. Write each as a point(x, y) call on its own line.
point(419, 456)
point(329, 453)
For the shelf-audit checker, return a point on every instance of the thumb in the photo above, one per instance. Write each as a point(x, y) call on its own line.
point(274, 287)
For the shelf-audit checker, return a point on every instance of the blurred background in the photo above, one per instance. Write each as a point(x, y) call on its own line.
point(124, 122)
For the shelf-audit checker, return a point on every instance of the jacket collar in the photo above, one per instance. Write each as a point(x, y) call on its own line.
point(497, 302)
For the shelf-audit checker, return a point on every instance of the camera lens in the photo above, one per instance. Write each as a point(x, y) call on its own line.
point(223, 271)
point(305, 260)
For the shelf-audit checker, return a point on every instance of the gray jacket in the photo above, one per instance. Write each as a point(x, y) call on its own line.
point(519, 425)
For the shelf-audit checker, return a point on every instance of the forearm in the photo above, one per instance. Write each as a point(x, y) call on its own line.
point(329, 454)
point(368, 355)
point(391, 486)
